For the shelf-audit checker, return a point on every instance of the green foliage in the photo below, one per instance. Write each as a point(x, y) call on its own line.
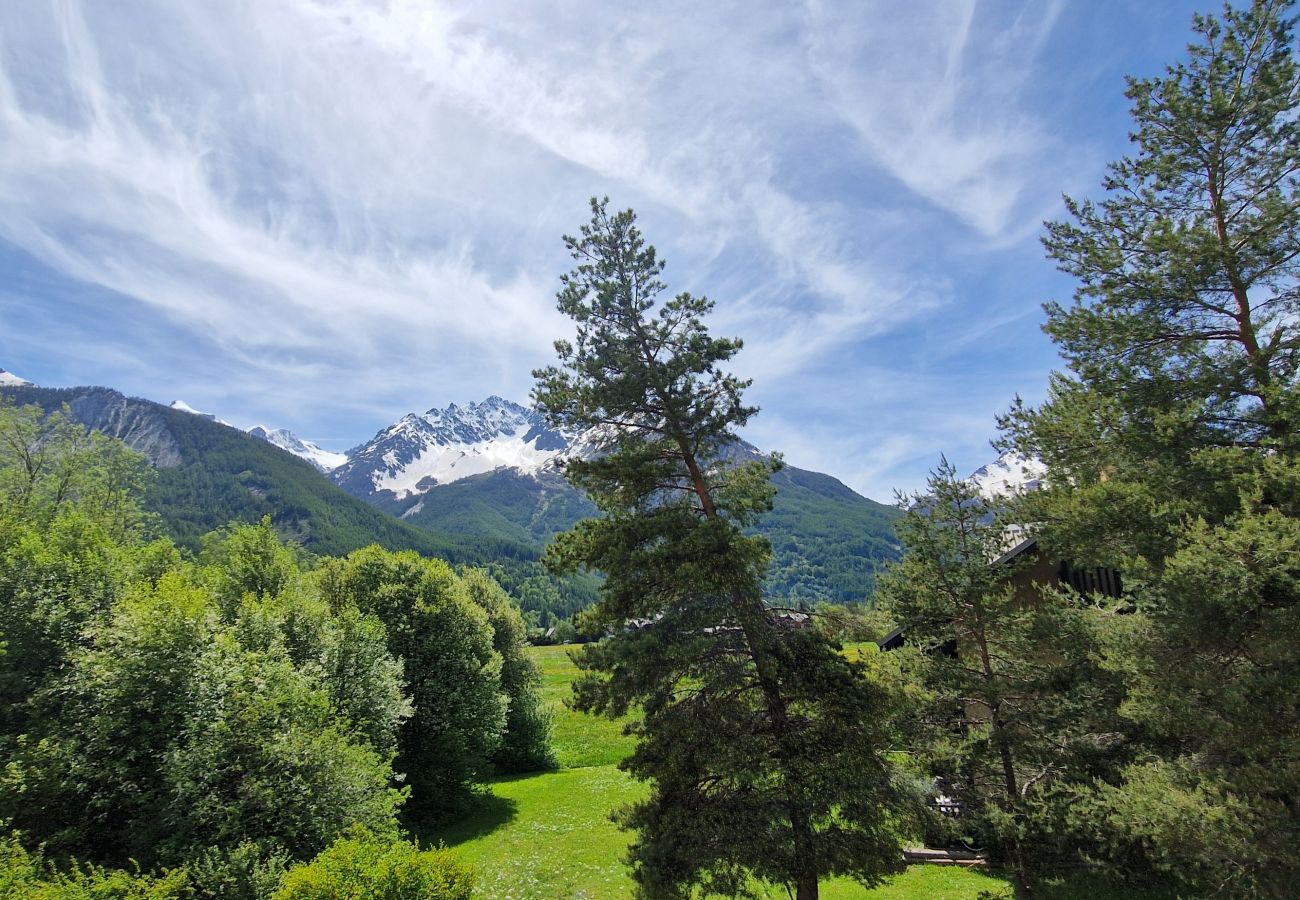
point(26, 876)
point(1187, 314)
point(262, 758)
point(548, 835)
point(505, 505)
point(452, 671)
point(1172, 454)
point(526, 741)
point(363, 868)
point(168, 735)
point(245, 871)
point(540, 592)
point(1014, 713)
point(209, 475)
point(827, 541)
point(246, 559)
point(235, 713)
point(49, 464)
point(147, 719)
point(67, 500)
point(851, 624)
point(762, 745)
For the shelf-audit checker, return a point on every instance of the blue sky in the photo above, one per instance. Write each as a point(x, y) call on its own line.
point(322, 215)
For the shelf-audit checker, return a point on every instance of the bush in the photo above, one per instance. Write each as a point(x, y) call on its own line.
point(25, 876)
point(363, 868)
point(248, 871)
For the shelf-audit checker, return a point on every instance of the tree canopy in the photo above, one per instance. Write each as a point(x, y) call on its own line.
point(1172, 453)
point(763, 746)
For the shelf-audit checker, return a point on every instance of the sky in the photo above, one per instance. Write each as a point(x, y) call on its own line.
point(323, 214)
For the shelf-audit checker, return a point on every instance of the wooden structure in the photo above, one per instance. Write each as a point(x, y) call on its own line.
point(1037, 571)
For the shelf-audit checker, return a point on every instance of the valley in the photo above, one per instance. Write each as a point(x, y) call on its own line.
point(479, 484)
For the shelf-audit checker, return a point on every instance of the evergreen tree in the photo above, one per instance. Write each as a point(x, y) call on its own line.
point(1173, 448)
point(763, 746)
point(1015, 712)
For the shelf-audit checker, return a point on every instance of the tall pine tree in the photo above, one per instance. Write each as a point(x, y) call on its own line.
point(1016, 715)
point(1173, 447)
point(763, 747)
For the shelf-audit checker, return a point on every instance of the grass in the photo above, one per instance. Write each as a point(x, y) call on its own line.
point(549, 836)
point(579, 740)
point(557, 842)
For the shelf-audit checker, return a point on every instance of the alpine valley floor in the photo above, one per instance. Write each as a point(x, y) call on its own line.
point(548, 836)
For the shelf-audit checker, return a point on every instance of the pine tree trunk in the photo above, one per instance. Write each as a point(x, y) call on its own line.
point(746, 607)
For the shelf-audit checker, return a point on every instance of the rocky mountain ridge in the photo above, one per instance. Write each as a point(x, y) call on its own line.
point(441, 446)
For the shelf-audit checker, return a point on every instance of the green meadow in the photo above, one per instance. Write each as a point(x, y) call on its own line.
point(548, 836)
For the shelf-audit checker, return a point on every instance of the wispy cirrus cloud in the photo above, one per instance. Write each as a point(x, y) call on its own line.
point(940, 101)
point(351, 208)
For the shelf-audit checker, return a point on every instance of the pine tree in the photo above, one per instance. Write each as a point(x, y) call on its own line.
point(1015, 712)
point(1173, 447)
point(762, 745)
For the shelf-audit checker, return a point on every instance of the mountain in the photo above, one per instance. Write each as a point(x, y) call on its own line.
point(9, 379)
point(418, 452)
point(492, 469)
point(478, 484)
point(210, 474)
point(182, 406)
point(323, 460)
point(1010, 473)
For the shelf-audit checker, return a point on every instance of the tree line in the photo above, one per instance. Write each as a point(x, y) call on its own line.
point(1158, 732)
point(228, 716)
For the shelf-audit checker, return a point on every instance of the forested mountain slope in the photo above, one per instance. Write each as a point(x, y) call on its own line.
point(209, 475)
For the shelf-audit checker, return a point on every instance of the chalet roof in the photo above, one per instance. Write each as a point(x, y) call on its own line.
point(891, 641)
point(1017, 551)
point(894, 639)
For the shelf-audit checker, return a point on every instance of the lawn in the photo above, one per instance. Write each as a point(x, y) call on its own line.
point(549, 837)
point(579, 740)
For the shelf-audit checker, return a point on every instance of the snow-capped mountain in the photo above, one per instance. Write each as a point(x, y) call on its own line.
point(1011, 473)
point(441, 446)
point(182, 406)
point(12, 380)
point(490, 470)
point(325, 460)
point(322, 459)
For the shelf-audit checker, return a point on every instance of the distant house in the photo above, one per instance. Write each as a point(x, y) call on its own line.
point(1037, 572)
point(1041, 571)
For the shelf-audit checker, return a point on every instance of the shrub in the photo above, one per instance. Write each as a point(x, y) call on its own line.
point(25, 876)
point(363, 868)
point(248, 871)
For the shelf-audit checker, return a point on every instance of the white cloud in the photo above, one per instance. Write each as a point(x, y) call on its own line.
point(359, 203)
point(939, 100)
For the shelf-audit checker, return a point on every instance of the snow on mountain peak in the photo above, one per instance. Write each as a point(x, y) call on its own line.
point(454, 442)
point(12, 380)
point(325, 460)
point(1011, 473)
point(182, 406)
